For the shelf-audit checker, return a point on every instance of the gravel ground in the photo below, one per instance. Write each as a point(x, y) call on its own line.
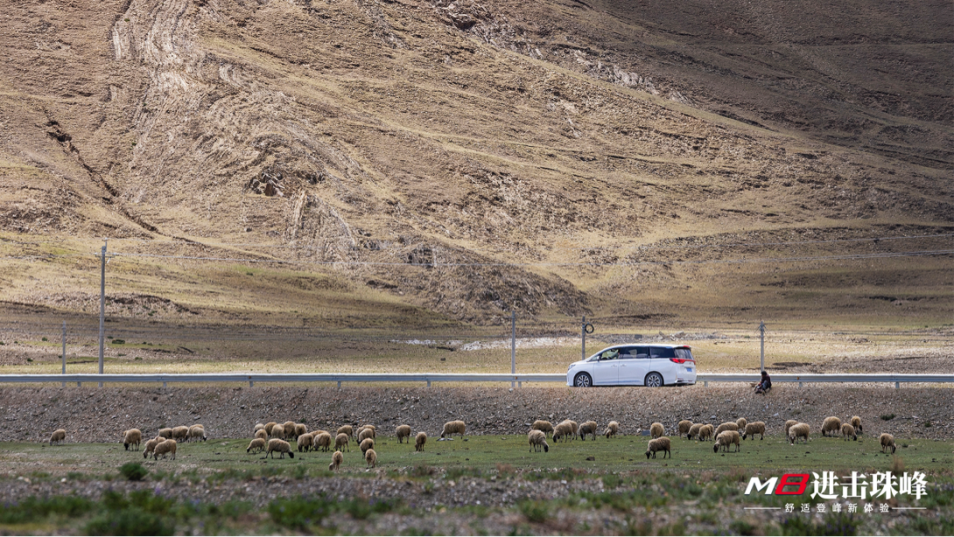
point(100, 414)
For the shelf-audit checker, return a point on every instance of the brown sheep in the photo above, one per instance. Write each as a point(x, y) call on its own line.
point(280, 446)
point(612, 429)
point(788, 424)
point(563, 430)
point(856, 423)
point(726, 439)
point(371, 457)
point(269, 426)
point(256, 443)
point(741, 422)
point(656, 430)
point(366, 444)
point(683, 427)
point(453, 427)
point(345, 429)
point(659, 444)
point(323, 441)
point(342, 440)
point(727, 426)
point(289, 428)
point(261, 434)
point(300, 429)
point(419, 441)
point(278, 431)
point(847, 431)
point(590, 428)
point(165, 432)
point(403, 433)
point(305, 442)
point(543, 425)
point(799, 430)
point(336, 461)
point(131, 437)
point(151, 446)
point(537, 440)
point(364, 434)
point(831, 426)
point(163, 448)
point(754, 428)
point(693, 431)
point(887, 441)
point(58, 436)
point(706, 432)
point(180, 433)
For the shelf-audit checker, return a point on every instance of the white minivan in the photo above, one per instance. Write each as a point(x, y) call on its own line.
point(635, 365)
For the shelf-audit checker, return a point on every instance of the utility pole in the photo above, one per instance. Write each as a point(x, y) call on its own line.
point(102, 306)
point(64, 350)
point(762, 332)
point(513, 344)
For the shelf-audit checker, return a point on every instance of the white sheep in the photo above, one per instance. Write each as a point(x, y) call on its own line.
point(280, 446)
point(58, 436)
point(659, 444)
point(563, 430)
point(831, 426)
point(256, 443)
point(180, 433)
point(454, 427)
point(150, 446)
point(257, 427)
point(197, 432)
point(269, 426)
point(345, 429)
point(165, 432)
point(741, 422)
point(856, 423)
point(612, 429)
point(403, 433)
point(575, 426)
point(754, 428)
point(848, 431)
point(261, 434)
point(537, 440)
point(342, 440)
point(336, 461)
point(289, 428)
point(788, 425)
point(543, 425)
point(726, 439)
point(371, 457)
point(323, 441)
point(588, 427)
point(278, 431)
point(693, 431)
point(419, 441)
point(164, 448)
point(799, 430)
point(366, 444)
point(656, 430)
point(706, 432)
point(300, 429)
point(305, 442)
point(887, 441)
point(727, 426)
point(683, 427)
point(131, 437)
point(365, 433)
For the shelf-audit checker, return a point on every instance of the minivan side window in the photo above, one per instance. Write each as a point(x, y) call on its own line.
point(662, 352)
point(642, 352)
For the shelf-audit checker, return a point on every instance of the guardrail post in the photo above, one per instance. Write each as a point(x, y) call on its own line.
point(163, 384)
point(897, 385)
point(799, 384)
point(705, 384)
point(79, 384)
point(428, 383)
point(520, 384)
point(251, 383)
point(339, 384)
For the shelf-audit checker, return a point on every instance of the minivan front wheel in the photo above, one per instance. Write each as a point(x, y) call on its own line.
point(583, 380)
point(654, 380)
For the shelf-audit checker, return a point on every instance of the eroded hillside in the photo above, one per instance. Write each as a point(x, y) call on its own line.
point(466, 158)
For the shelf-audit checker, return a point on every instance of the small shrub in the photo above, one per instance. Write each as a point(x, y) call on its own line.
point(535, 511)
point(928, 424)
point(133, 471)
point(887, 417)
point(300, 513)
point(29, 359)
point(119, 342)
point(44, 338)
point(131, 521)
point(138, 358)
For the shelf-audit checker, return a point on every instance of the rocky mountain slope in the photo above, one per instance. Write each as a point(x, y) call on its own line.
point(465, 158)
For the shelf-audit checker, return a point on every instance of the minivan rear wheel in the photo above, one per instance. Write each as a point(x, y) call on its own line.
point(653, 380)
point(583, 380)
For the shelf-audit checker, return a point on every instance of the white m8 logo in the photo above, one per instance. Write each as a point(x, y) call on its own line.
point(756, 483)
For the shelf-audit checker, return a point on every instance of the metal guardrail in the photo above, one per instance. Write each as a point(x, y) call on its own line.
point(252, 378)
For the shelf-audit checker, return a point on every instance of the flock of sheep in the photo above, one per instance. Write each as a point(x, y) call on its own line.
point(274, 437)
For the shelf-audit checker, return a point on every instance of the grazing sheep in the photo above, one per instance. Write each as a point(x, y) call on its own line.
point(454, 427)
point(659, 444)
point(289, 428)
point(538, 439)
point(575, 426)
point(403, 432)
point(164, 448)
point(151, 446)
point(419, 441)
point(754, 428)
point(727, 438)
point(683, 427)
point(706, 432)
point(831, 426)
point(323, 441)
point(364, 434)
point(887, 441)
point(856, 423)
point(346, 429)
point(542, 425)
point(342, 440)
point(269, 426)
point(563, 430)
point(588, 427)
point(130, 437)
point(336, 461)
point(256, 443)
point(366, 444)
point(788, 425)
point(180, 433)
point(165, 432)
point(371, 457)
point(305, 442)
point(279, 445)
point(300, 429)
point(319, 432)
point(278, 431)
point(848, 431)
point(727, 426)
point(657, 430)
point(693, 431)
point(799, 430)
point(261, 434)
point(58, 435)
point(257, 427)
point(197, 432)
point(612, 429)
